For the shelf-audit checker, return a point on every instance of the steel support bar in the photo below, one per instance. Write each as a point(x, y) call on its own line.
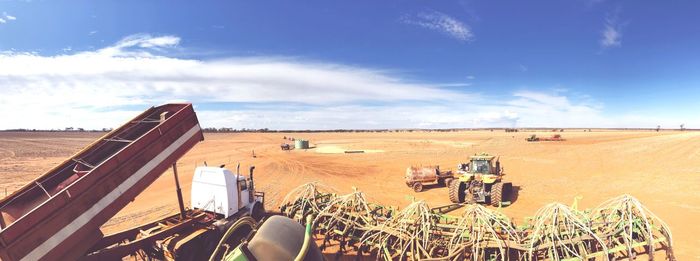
point(179, 192)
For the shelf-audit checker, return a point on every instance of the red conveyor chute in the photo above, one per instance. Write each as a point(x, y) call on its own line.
point(58, 215)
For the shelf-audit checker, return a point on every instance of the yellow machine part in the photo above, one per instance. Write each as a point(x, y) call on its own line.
point(487, 179)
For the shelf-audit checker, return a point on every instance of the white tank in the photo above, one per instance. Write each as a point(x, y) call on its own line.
point(215, 189)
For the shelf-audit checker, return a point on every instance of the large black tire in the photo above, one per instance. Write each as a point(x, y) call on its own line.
point(448, 181)
point(417, 187)
point(258, 212)
point(499, 193)
point(455, 192)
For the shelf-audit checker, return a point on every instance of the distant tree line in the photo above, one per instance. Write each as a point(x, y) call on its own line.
point(67, 129)
point(266, 130)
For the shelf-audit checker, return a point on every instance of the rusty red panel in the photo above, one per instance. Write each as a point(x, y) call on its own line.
point(84, 196)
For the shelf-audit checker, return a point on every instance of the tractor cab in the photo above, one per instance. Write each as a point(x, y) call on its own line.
point(483, 164)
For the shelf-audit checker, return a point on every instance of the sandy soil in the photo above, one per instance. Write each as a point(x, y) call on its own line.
point(660, 169)
point(26, 155)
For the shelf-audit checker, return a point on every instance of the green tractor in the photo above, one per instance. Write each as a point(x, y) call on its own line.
point(480, 181)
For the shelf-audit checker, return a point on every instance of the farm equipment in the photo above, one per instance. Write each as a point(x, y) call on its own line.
point(58, 216)
point(619, 229)
point(219, 199)
point(278, 238)
point(556, 137)
point(417, 176)
point(480, 181)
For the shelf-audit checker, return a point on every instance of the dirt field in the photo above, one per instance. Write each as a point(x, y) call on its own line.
point(26, 155)
point(660, 169)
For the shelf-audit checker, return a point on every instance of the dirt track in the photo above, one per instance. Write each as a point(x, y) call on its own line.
point(660, 169)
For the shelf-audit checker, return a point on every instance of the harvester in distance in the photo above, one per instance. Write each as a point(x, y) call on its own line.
point(480, 181)
point(286, 146)
point(556, 137)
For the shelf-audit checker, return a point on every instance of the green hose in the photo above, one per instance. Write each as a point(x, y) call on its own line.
point(247, 220)
point(307, 239)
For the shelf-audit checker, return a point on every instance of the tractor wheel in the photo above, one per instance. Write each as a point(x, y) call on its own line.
point(456, 193)
point(258, 212)
point(417, 187)
point(448, 181)
point(499, 193)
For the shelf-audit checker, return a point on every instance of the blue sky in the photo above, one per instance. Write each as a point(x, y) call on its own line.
point(353, 64)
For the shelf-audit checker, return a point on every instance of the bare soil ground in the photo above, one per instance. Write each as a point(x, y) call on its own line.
point(26, 155)
point(661, 169)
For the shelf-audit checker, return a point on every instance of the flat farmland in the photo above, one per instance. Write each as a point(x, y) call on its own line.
point(660, 169)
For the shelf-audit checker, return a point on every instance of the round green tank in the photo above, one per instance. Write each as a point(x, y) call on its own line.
point(301, 144)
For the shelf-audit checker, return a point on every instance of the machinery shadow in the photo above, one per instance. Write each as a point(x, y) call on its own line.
point(348, 256)
point(514, 194)
point(427, 187)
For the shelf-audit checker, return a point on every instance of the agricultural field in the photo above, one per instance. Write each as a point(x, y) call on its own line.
point(660, 169)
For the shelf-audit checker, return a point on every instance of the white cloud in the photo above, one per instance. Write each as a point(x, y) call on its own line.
point(140, 45)
point(505, 118)
point(545, 109)
point(519, 109)
point(105, 87)
point(4, 18)
point(442, 23)
point(129, 73)
point(361, 117)
point(611, 36)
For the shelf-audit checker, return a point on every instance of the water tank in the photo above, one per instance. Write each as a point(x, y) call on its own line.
point(301, 144)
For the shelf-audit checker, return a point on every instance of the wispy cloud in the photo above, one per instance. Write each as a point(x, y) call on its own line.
point(4, 18)
point(522, 68)
point(611, 36)
point(133, 73)
point(522, 108)
point(147, 41)
point(140, 45)
point(441, 22)
point(104, 87)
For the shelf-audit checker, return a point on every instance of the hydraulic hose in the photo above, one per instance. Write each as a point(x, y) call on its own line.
point(244, 221)
point(307, 239)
